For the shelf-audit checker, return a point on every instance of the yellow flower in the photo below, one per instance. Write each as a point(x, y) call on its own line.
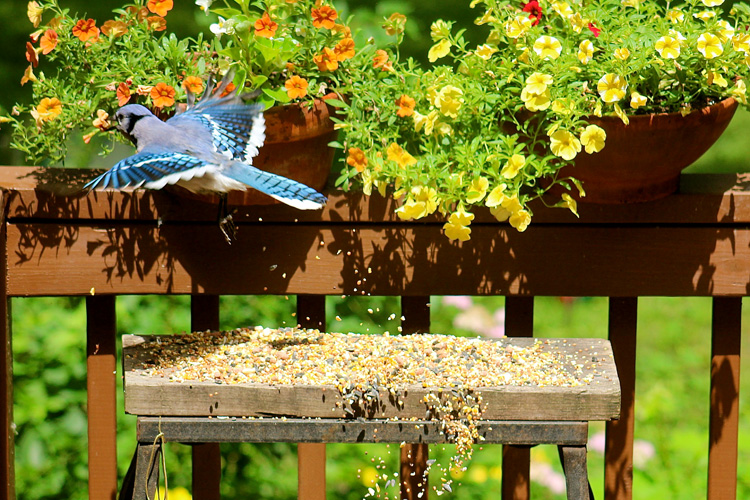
point(449, 101)
point(725, 32)
point(585, 51)
point(537, 83)
point(477, 189)
point(562, 106)
point(611, 87)
point(439, 50)
point(440, 30)
point(577, 22)
point(705, 15)
point(419, 120)
point(712, 3)
point(562, 8)
point(48, 109)
point(536, 102)
point(739, 91)
point(668, 47)
point(430, 121)
point(400, 156)
point(457, 227)
point(512, 167)
point(547, 47)
point(622, 53)
point(496, 196)
point(564, 144)
point(631, 3)
point(500, 213)
point(621, 114)
point(676, 16)
point(637, 100)
point(517, 27)
point(570, 203)
point(34, 13)
point(485, 51)
point(709, 45)
point(741, 42)
point(421, 203)
point(520, 220)
point(715, 78)
point(592, 138)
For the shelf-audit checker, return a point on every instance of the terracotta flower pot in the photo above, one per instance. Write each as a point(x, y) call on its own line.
point(643, 160)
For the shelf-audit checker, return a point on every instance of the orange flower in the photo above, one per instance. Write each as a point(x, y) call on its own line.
point(48, 41)
point(48, 109)
point(405, 106)
point(327, 61)
point(296, 87)
point(340, 29)
point(123, 94)
point(102, 120)
point(381, 60)
point(265, 26)
point(193, 84)
point(140, 14)
point(344, 49)
point(395, 24)
point(357, 159)
point(162, 95)
point(156, 23)
point(114, 28)
point(87, 138)
point(28, 76)
point(230, 88)
point(324, 17)
point(86, 29)
point(34, 13)
point(32, 55)
point(160, 7)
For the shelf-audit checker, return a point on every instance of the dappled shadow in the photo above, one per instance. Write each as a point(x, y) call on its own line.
point(724, 400)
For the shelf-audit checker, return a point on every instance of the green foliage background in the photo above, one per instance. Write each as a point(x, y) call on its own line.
point(49, 343)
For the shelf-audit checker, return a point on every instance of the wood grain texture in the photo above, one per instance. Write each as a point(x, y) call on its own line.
point(145, 395)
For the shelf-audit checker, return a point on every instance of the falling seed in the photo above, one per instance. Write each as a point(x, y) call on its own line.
point(273, 267)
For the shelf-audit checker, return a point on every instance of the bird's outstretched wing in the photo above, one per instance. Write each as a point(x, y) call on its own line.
point(152, 170)
point(288, 191)
point(237, 129)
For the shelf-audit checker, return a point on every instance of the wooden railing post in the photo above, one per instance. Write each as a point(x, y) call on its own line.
point(516, 485)
point(415, 314)
point(204, 315)
point(101, 383)
point(7, 455)
point(725, 398)
point(618, 453)
point(311, 457)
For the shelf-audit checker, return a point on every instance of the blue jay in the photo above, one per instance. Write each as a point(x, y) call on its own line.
point(206, 149)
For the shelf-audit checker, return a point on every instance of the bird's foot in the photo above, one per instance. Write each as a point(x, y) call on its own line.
point(228, 228)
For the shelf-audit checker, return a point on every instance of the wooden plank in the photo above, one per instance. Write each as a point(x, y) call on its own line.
point(413, 457)
point(55, 193)
point(516, 482)
point(206, 457)
point(599, 400)
point(725, 398)
point(311, 457)
point(290, 430)
point(408, 260)
point(7, 442)
point(618, 453)
point(101, 395)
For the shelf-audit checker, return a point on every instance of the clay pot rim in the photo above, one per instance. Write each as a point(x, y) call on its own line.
point(727, 103)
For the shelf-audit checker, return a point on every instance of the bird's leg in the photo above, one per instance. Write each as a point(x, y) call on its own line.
point(226, 222)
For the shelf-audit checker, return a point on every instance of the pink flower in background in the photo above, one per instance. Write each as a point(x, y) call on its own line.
point(462, 302)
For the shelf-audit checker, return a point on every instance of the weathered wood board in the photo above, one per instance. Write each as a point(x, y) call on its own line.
point(598, 399)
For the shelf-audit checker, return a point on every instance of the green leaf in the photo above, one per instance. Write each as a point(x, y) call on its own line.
point(226, 13)
point(278, 95)
point(336, 103)
point(335, 144)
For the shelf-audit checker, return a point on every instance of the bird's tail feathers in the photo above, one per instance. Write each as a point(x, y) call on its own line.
point(285, 190)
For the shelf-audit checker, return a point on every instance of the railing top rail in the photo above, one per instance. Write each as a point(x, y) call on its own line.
point(53, 193)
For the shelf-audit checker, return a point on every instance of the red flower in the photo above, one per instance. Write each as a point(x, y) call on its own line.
point(594, 30)
point(534, 10)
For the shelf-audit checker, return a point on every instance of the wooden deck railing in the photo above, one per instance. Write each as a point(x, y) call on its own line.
point(57, 243)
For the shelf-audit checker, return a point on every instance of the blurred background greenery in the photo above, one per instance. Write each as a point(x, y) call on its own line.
point(49, 342)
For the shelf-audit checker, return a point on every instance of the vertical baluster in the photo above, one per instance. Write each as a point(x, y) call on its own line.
point(204, 315)
point(519, 322)
point(618, 453)
point(7, 473)
point(311, 457)
point(725, 393)
point(101, 395)
point(415, 312)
